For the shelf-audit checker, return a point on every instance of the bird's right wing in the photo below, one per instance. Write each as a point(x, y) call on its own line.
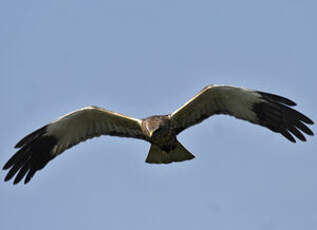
point(41, 146)
point(265, 109)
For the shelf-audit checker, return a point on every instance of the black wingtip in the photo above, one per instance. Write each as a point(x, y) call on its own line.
point(6, 179)
point(33, 156)
point(277, 98)
point(274, 113)
point(307, 120)
point(5, 167)
point(29, 176)
point(31, 136)
point(286, 134)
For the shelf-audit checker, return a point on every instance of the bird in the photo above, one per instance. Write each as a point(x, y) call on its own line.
point(265, 109)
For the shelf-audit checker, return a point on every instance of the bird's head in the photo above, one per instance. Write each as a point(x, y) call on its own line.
point(157, 126)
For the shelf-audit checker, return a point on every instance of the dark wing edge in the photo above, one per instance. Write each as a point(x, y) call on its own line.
point(44, 144)
point(34, 153)
point(269, 110)
point(275, 113)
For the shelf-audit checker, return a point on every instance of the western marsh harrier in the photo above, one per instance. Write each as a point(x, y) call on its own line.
point(271, 111)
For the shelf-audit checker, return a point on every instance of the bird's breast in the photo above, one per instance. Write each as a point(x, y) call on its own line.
point(165, 141)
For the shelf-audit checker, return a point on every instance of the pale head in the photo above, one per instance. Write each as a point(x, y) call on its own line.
point(156, 126)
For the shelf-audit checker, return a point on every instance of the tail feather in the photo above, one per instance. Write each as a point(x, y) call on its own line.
point(158, 156)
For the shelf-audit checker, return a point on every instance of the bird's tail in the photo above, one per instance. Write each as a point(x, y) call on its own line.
point(158, 156)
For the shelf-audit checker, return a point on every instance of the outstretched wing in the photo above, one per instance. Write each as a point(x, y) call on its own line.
point(41, 146)
point(269, 110)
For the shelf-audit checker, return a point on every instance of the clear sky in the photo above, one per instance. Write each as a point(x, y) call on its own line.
point(149, 57)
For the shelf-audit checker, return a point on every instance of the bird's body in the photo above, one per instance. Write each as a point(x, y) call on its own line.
point(271, 111)
point(159, 131)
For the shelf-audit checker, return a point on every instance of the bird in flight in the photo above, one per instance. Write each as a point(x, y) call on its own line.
point(269, 110)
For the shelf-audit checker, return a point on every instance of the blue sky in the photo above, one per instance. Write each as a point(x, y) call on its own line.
point(149, 57)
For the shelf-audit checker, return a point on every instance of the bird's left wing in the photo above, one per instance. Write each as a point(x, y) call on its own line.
point(41, 146)
point(269, 110)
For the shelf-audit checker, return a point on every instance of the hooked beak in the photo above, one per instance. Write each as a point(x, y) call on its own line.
point(152, 132)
